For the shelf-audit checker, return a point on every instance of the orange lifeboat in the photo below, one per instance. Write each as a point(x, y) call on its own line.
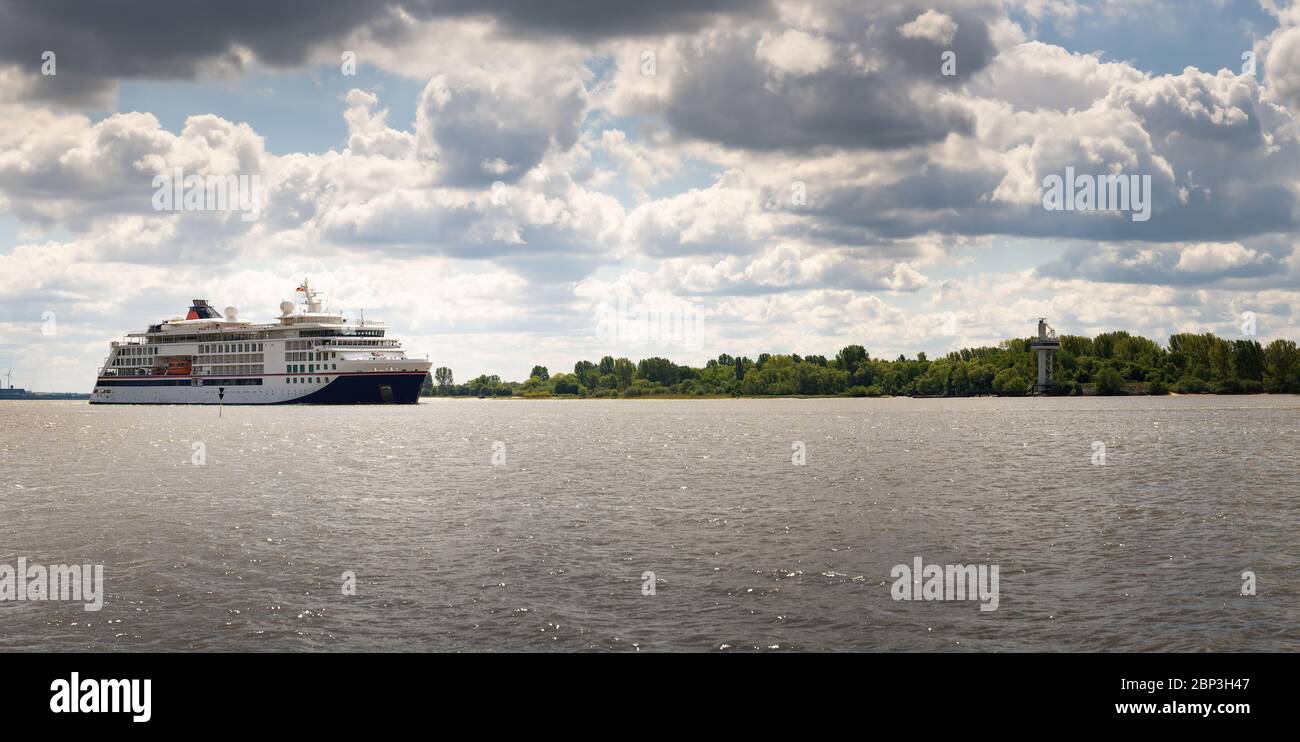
point(179, 368)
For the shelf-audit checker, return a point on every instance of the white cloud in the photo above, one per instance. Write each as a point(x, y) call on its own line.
point(795, 52)
point(931, 25)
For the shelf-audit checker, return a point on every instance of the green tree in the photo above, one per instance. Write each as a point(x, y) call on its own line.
point(587, 372)
point(565, 384)
point(442, 375)
point(850, 357)
point(624, 372)
point(1282, 367)
point(1010, 382)
point(659, 370)
point(1110, 382)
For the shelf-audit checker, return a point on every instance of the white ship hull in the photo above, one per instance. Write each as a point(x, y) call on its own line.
point(310, 357)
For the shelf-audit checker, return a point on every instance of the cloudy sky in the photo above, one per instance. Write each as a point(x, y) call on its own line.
point(498, 179)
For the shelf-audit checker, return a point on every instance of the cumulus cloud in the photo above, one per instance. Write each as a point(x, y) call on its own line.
point(1194, 264)
point(847, 77)
point(481, 126)
point(788, 267)
point(67, 170)
point(932, 25)
point(98, 44)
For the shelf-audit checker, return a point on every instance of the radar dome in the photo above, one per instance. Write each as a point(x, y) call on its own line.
point(286, 307)
point(231, 314)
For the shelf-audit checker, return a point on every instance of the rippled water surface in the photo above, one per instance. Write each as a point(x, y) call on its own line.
point(546, 551)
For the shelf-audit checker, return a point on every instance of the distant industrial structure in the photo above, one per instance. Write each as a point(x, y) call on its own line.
point(8, 391)
point(1046, 345)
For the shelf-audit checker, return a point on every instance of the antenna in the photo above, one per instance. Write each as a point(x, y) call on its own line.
point(9, 377)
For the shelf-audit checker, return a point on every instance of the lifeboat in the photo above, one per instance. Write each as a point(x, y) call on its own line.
point(179, 368)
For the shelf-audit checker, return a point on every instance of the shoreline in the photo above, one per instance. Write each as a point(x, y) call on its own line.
point(574, 397)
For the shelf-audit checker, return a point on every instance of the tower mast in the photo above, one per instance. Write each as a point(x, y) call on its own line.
point(1046, 345)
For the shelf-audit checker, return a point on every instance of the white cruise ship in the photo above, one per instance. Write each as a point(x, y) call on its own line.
point(307, 355)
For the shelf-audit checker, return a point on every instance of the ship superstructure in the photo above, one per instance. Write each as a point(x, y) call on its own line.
point(308, 355)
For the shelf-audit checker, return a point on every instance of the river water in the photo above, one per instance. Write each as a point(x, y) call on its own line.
point(498, 525)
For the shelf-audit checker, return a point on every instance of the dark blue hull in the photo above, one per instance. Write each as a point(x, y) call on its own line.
point(367, 389)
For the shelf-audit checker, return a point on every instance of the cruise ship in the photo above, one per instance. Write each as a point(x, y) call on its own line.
point(308, 355)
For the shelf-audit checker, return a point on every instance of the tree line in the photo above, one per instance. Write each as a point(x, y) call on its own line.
point(1109, 364)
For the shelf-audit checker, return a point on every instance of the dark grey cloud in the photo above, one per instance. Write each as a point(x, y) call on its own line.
point(1254, 264)
point(480, 132)
point(729, 100)
point(97, 43)
point(958, 202)
point(729, 96)
point(594, 19)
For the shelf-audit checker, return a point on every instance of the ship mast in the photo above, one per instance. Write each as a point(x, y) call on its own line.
point(310, 298)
